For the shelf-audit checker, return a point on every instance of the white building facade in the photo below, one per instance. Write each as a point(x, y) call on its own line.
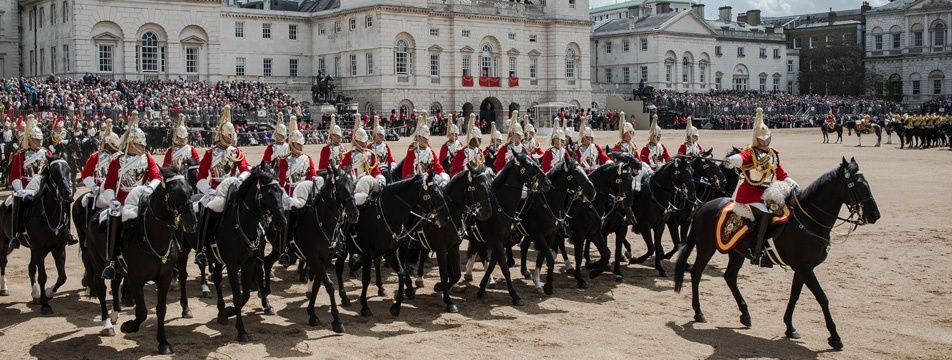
point(453, 55)
point(908, 49)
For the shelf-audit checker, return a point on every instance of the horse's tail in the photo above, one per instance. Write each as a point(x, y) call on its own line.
point(684, 251)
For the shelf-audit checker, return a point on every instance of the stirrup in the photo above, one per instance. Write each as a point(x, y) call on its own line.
point(284, 260)
point(200, 258)
point(71, 240)
point(109, 271)
point(14, 242)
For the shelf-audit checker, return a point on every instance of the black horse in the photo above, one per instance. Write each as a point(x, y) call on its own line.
point(317, 231)
point(188, 241)
point(380, 230)
point(802, 243)
point(708, 185)
point(614, 184)
point(869, 129)
point(826, 129)
point(150, 250)
point(46, 220)
point(652, 206)
point(586, 207)
point(257, 201)
point(491, 238)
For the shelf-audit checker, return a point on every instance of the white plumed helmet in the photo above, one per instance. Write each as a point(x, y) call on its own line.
point(359, 135)
point(472, 131)
point(181, 131)
point(513, 124)
point(423, 125)
point(377, 129)
point(225, 130)
point(690, 130)
point(454, 129)
point(108, 137)
point(279, 127)
point(133, 135)
point(334, 129)
point(295, 136)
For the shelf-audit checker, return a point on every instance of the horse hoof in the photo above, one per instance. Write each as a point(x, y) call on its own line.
point(568, 270)
point(662, 273)
point(46, 310)
point(468, 277)
point(527, 275)
point(594, 273)
point(409, 293)
point(699, 318)
point(438, 287)
point(619, 279)
point(338, 327)
point(745, 319)
point(114, 317)
point(129, 327)
point(640, 260)
point(344, 301)
point(269, 310)
point(107, 332)
point(792, 334)
point(4, 292)
point(243, 338)
point(50, 292)
point(481, 295)
point(313, 321)
point(206, 294)
point(307, 295)
point(418, 283)
point(165, 349)
point(539, 290)
point(835, 343)
point(452, 309)
point(365, 312)
point(548, 289)
point(222, 320)
point(186, 314)
point(518, 302)
point(583, 285)
point(395, 310)
point(381, 292)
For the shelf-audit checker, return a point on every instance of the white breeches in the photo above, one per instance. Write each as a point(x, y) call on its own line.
point(130, 209)
point(215, 200)
point(365, 185)
point(302, 191)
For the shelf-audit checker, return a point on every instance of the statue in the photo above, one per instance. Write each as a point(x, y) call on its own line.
point(322, 88)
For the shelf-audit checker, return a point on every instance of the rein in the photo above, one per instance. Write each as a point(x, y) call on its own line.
point(170, 224)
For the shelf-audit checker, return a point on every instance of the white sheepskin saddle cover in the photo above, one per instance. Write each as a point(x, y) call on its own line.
point(216, 201)
point(303, 190)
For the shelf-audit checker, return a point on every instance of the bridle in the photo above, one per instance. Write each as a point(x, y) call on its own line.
point(423, 196)
point(265, 212)
point(853, 204)
point(62, 215)
point(170, 224)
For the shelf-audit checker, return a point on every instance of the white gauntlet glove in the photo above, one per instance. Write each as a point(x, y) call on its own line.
point(793, 184)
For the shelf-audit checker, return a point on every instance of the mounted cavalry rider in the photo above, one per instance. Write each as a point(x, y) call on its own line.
point(97, 166)
point(690, 145)
point(655, 153)
point(765, 186)
point(420, 158)
point(333, 151)
point(363, 166)
point(26, 174)
point(452, 144)
point(470, 155)
point(130, 177)
point(532, 146)
point(280, 148)
point(626, 143)
point(589, 155)
point(557, 153)
point(495, 141)
point(830, 120)
point(380, 148)
point(58, 140)
point(295, 169)
point(180, 150)
point(514, 144)
point(222, 168)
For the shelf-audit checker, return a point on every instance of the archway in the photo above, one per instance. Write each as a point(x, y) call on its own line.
point(467, 109)
point(491, 109)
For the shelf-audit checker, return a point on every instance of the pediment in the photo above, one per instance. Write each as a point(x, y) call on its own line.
point(466, 49)
point(107, 36)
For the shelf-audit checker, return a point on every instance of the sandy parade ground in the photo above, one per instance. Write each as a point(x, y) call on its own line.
point(888, 286)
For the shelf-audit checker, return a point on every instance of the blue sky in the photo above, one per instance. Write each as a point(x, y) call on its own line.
point(772, 7)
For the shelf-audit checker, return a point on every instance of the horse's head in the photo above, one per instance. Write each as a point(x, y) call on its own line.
point(707, 171)
point(339, 191)
point(570, 177)
point(177, 197)
point(682, 177)
point(475, 191)
point(189, 169)
point(530, 173)
point(59, 178)
point(430, 201)
point(268, 195)
point(859, 197)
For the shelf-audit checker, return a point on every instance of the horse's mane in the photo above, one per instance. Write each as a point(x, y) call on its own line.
point(401, 185)
point(258, 174)
point(456, 178)
point(503, 174)
point(602, 170)
point(813, 189)
point(168, 172)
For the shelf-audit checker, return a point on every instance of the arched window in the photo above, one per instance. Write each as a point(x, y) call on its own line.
point(938, 33)
point(570, 64)
point(685, 70)
point(401, 56)
point(149, 52)
point(486, 62)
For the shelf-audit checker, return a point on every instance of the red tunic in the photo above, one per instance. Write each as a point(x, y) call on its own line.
point(445, 151)
point(600, 159)
point(167, 160)
point(410, 160)
point(646, 154)
point(283, 174)
point(631, 149)
point(89, 169)
point(501, 156)
point(112, 177)
point(388, 159)
point(374, 165)
point(747, 193)
point(204, 167)
point(16, 169)
point(459, 162)
point(547, 159)
point(683, 149)
point(325, 158)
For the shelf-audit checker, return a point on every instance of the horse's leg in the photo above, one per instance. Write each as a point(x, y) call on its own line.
point(577, 272)
point(336, 324)
point(812, 283)
point(489, 267)
point(646, 236)
point(795, 289)
point(116, 289)
point(658, 232)
point(730, 275)
point(41, 278)
point(131, 326)
point(704, 255)
point(381, 292)
point(265, 289)
point(402, 280)
point(217, 278)
point(99, 286)
point(59, 260)
point(421, 268)
point(499, 251)
point(586, 253)
point(524, 257)
point(312, 318)
point(444, 285)
point(549, 286)
point(339, 269)
point(616, 265)
point(160, 307)
point(537, 270)
point(4, 291)
point(182, 278)
point(203, 273)
point(674, 228)
point(604, 253)
point(365, 283)
point(34, 287)
point(238, 299)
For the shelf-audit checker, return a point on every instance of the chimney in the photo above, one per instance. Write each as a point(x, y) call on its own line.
point(698, 10)
point(724, 14)
point(831, 16)
point(865, 7)
point(742, 18)
point(753, 17)
point(664, 7)
point(267, 4)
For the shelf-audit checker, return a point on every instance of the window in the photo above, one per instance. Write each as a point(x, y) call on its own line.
point(796, 43)
point(53, 59)
point(353, 24)
point(626, 45)
point(369, 21)
point(812, 41)
point(644, 44)
point(608, 75)
point(789, 66)
point(239, 29)
point(512, 67)
point(608, 47)
point(938, 33)
point(149, 52)
point(776, 84)
point(105, 58)
point(937, 86)
point(337, 26)
point(532, 38)
point(292, 32)
point(763, 84)
point(42, 16)
point(434, 32)
point(466, 33)
point(267, 66)
point(320, 29)
point(740, 51)
point(571, 4)
point(827, 40)
point(434, 65)
point(570, 64)
point(266, 31)
point(240, 66)
point(668, 70)
point(191, 60)
point(32, 16)
point(65, 55)
point(776, 53)
point(322, 65)
point(625, 75)
point(763, 53)
point(65, 12)
point(717, 82)
point(486, 65)
point(846, 39)
point(878, 40)
point(512, 36)
point(717, 51)
point(336, 66)
point(370, 64)
point(533, 68)
point(353, 65)
point(917, 38)
point(467, 61)
point(740, 84)
point(293, 67)
point(685, 71)
point(916, 87)
point(644, 74)
point(33, 63)
point(402, 58)
point(895, 41)
point(52, 16)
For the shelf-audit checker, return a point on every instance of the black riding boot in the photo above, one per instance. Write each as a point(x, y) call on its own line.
point(206, 217)
point(112, 233)
point(763, 222)
point(282, 243)
point(15, 221)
